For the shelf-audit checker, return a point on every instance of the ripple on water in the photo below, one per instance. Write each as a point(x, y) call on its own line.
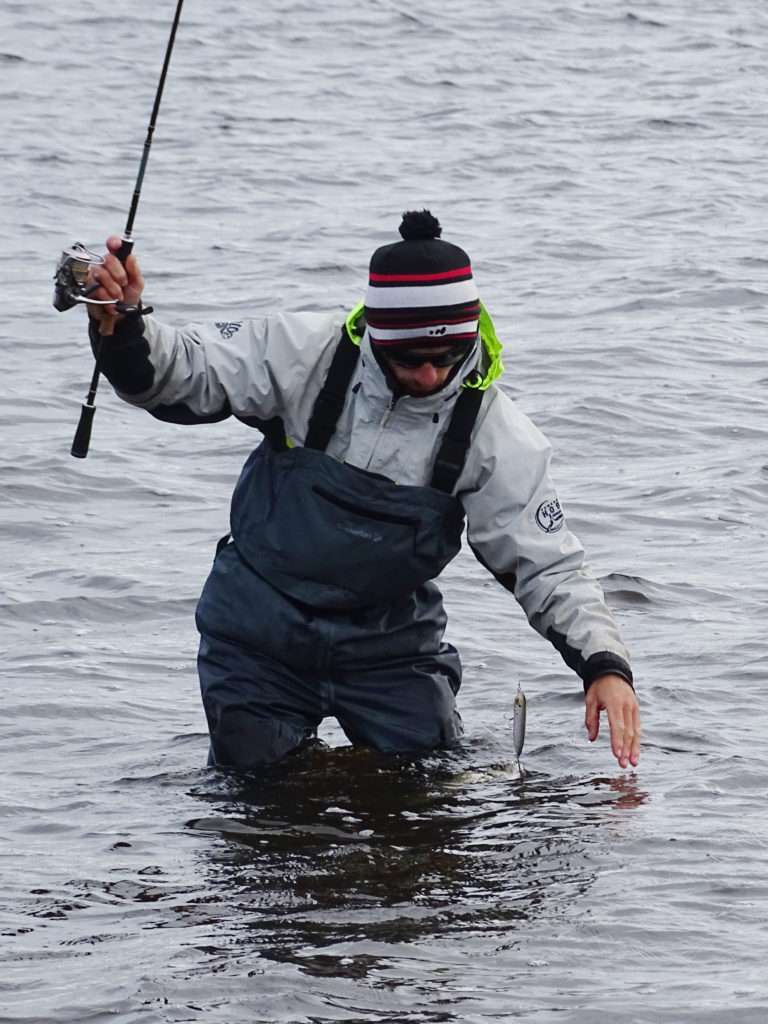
point(603, 167)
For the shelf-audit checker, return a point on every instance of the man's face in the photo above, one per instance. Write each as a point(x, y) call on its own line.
point(416, 373)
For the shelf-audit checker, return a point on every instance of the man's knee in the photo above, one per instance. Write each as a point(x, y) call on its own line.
point(243, 739)
point(409, 717)
point(255, 716)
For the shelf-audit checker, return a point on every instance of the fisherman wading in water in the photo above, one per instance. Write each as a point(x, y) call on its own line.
point(384, 434)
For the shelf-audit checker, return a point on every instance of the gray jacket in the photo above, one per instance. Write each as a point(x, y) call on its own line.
point(275, 367)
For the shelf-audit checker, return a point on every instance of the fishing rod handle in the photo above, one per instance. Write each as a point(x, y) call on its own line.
point(82, 439)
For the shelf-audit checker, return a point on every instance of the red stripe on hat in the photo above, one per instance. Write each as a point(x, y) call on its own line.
point(444, 275)
point(424, 341)
point(392, 324)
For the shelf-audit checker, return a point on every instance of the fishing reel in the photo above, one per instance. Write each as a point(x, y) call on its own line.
point(71, 280)
point(71, 277)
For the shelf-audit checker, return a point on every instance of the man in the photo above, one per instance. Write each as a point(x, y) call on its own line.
point(384, 432)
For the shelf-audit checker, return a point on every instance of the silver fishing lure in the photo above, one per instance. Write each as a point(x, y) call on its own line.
point(519, 713)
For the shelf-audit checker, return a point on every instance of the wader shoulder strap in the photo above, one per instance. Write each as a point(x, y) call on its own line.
point(330, 402)
point(272, 429)
point(453, 450)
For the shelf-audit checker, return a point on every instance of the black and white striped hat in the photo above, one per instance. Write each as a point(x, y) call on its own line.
point(421, 291)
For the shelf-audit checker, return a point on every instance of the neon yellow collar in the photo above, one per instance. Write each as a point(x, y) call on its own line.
point(491, 344)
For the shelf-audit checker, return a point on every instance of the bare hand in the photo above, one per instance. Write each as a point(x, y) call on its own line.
point(118, 282)
point(612, 694)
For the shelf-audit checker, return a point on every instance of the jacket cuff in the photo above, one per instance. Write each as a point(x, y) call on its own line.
point(127, 332)
point(604, 663)
point(124, 355)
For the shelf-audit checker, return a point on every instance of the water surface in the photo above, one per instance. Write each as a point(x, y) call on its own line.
point(605, 166)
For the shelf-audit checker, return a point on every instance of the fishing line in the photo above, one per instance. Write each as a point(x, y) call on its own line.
point(73, 266)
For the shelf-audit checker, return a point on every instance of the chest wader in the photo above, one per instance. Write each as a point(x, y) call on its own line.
point(323, 603)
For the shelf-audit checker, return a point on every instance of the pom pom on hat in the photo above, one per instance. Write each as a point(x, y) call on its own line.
point(419, 224)
point(421, 292)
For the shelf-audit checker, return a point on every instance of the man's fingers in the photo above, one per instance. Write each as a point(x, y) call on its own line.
point(610, 693)
point(108, 291)
point(634, 755)
point(625, 734)
point(592, 719)
point(114, 282)
point(109, 288)
point(132, 269)
point(135, 284)
point(128, 275)
point(618, 735)
point(116, 269)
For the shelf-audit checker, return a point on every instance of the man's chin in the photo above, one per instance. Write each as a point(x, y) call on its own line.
point(413, 393)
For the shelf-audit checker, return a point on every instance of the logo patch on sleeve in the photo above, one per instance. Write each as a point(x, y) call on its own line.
point(549, 515)
point(226, 330)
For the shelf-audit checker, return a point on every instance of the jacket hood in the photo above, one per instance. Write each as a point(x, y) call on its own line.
point(480, 369)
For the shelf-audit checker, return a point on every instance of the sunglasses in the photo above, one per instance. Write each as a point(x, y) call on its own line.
point(413, 360)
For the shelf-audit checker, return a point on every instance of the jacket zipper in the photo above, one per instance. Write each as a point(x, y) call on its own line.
point(382, 425)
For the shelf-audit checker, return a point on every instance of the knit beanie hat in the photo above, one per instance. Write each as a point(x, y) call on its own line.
point(421, 292)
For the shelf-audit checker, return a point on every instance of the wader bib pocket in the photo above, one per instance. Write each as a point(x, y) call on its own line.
point(334, 536)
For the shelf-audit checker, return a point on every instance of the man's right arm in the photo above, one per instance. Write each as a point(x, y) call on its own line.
point(124, 359)
point(117, 340)
point(253, 369)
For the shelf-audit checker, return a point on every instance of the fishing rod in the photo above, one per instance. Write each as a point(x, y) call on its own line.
point(71, 277)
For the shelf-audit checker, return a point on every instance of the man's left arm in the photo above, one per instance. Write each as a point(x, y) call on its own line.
point(517, 529)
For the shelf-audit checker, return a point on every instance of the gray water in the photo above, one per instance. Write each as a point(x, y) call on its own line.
point(605, 164)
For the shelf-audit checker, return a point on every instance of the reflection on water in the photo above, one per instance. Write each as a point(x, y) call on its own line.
point(603, 167)
point(349, 846)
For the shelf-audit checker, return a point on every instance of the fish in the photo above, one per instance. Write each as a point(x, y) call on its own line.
point(519, 714)
point(492, 773)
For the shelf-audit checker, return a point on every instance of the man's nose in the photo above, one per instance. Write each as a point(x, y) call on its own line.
point(426, 375)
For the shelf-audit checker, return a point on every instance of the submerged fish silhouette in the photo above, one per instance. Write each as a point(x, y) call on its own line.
point(279, 829)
